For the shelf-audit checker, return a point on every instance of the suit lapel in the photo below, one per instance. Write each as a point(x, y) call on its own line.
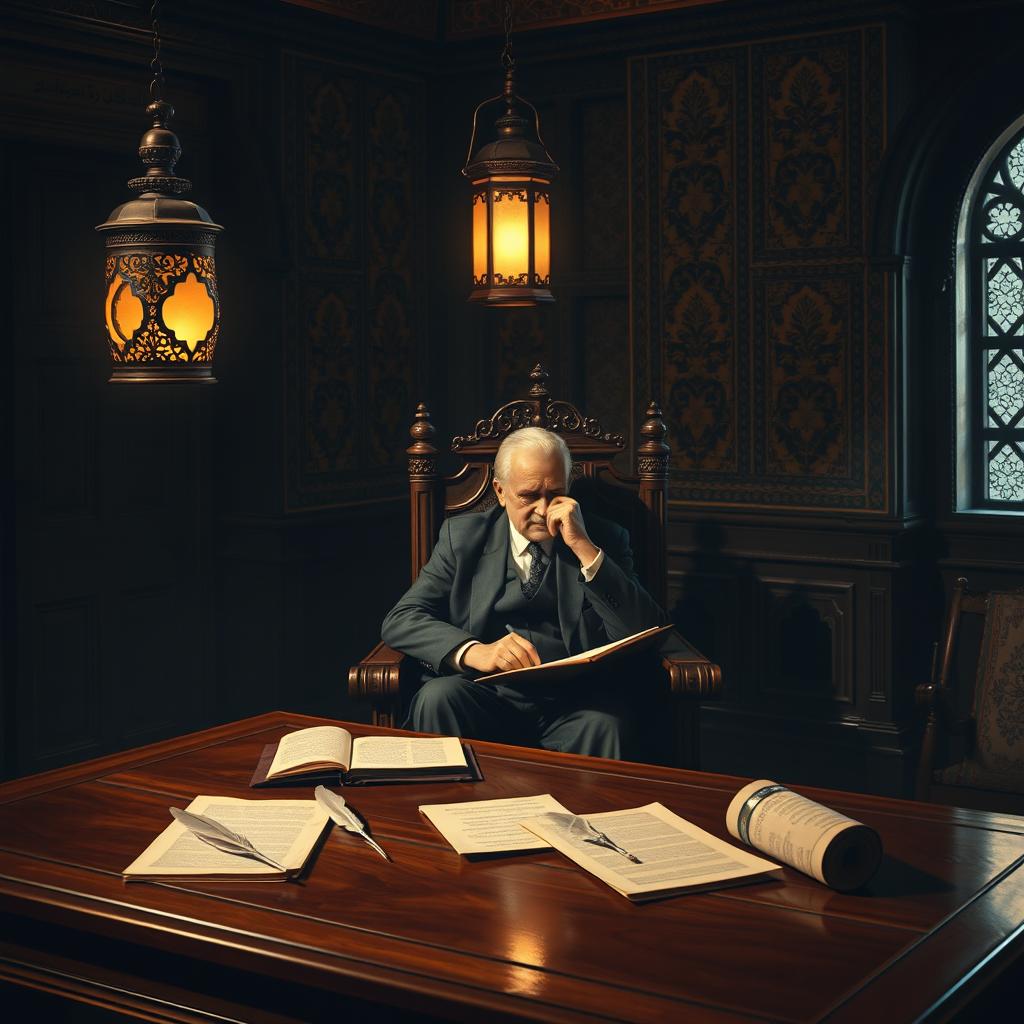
point(570, 593)
point(489, 577)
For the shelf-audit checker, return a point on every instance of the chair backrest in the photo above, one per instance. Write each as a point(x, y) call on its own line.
point(635, 502)
point(978, 684)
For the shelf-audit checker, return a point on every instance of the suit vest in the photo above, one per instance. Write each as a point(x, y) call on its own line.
point(535, 618)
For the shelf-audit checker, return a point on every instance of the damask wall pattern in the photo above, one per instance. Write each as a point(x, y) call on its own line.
point(354, 305)
point(756, 316)
point(700, 293)
point(806, 147)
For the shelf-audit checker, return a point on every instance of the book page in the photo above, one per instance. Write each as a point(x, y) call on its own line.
point(585, 657)
point(306, 748)
point(407, 752)
point(829, 846)
point(283, 830)
point(675, 855)
point(491, 826)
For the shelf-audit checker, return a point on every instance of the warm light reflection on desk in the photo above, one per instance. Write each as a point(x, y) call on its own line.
point(525, 933)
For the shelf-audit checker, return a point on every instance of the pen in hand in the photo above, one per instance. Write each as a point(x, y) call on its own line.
point(515, 632)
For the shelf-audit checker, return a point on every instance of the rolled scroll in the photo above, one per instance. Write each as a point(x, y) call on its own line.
point(806, 835)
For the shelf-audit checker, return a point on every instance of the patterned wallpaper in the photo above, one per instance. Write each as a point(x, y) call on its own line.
point(756, 315)
point(355, 306)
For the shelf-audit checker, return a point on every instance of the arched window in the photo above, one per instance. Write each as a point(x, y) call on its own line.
point(990, 331)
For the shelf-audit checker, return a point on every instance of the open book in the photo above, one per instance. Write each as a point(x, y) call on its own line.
point(659, 854)
point(328, 753)
point(285, 831)
point(569, 668)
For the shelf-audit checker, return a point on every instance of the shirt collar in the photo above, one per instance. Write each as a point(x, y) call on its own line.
point(520, 543)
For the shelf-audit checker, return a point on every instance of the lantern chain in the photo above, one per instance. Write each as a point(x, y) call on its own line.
point(156, 87)
point(506, 55)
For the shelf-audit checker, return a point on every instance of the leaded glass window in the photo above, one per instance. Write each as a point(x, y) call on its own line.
point(994, 342)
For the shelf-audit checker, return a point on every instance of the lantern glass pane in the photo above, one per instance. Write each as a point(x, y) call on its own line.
point(542, 237)
point(511, 236)
point(124, 312)
point(480, 238)
point(189, 311)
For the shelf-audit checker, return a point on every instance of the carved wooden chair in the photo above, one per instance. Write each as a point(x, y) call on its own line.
point(972, 749)
point(385, 677)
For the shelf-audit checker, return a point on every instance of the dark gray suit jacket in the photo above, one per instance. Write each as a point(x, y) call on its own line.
point(456, 590)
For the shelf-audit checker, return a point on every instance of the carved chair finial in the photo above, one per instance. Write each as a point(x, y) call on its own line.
point(538, 377)
point(653, 452)
point(422, 453)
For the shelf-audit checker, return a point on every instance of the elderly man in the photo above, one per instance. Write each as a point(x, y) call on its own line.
point(525, 583)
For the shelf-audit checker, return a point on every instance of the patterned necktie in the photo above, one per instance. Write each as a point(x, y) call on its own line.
point(538, 562)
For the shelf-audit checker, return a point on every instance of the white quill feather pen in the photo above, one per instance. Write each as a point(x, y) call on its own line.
point(214, 834)
point(579, 828)
point(344, 816)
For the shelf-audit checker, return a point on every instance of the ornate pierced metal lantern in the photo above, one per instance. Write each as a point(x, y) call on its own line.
point(511, 179)
point(161, 306)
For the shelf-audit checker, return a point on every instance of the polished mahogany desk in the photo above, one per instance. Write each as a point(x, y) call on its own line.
point(528, 937)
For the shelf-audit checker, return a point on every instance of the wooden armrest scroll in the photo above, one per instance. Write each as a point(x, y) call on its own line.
point(697, 679)
point(377, 675)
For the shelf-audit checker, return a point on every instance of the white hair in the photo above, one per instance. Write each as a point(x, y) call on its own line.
point(531, 439)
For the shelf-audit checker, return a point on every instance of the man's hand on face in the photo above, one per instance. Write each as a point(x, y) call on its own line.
point(564, 517)
point(511, 651)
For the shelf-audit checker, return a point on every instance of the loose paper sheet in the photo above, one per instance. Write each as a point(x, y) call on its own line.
point(491, 826)
point(284, 830)
point(676, 855)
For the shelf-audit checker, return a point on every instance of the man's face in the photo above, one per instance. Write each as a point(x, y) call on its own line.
point(533, 481)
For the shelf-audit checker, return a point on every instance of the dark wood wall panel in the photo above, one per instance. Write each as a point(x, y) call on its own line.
point(603, 353)
point(604, 174)
point(394, 280)
point(474, 17)
point(149, 700)
point(109, 625)
point(807, 640)
point(64, 714)
point(356, 293)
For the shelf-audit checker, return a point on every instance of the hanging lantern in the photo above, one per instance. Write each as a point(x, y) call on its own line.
point(161, 305)
point(511, 180)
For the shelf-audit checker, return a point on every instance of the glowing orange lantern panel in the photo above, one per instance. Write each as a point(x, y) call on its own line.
point(161, 308)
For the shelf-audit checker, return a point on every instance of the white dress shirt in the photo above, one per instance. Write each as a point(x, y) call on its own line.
point(521, 559)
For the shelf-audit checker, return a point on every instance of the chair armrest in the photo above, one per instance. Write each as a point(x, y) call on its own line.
point(377, 676)
point(693, 678)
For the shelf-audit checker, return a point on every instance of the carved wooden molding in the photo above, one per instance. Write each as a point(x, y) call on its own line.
point(537, 410)
point(376, 678)
point(696, 680)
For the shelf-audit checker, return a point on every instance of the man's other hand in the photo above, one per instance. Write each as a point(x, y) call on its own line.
point(564, 516)
point(511, 651)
